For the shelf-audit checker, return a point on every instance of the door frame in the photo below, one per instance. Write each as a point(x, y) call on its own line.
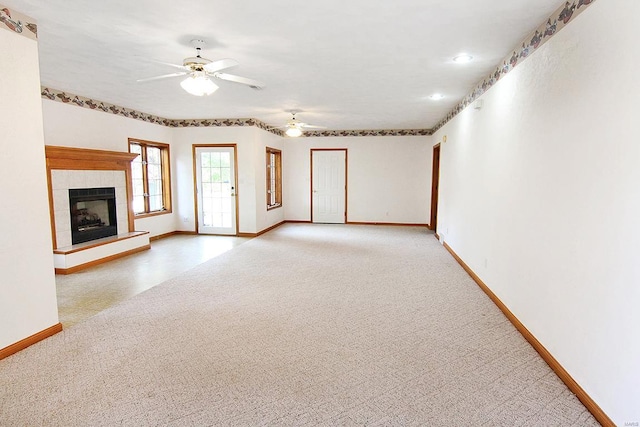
point(346, 179)
point(435, 187)
point(195, 181)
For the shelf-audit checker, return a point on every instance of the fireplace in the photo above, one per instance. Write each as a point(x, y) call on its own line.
point(93, 213)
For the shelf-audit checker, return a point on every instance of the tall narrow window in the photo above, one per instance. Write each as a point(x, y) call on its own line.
point(150, 177)
point(274, 178)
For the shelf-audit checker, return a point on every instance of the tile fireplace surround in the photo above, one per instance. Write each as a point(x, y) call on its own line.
point(69, 168)
point(63, 180)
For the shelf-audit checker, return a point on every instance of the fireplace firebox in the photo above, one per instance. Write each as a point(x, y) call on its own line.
point(93, 213)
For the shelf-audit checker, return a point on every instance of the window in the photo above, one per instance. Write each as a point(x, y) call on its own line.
point(274, 178)
point(150, 177)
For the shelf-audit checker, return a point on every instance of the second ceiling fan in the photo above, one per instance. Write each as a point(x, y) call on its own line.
point(295, 128)
point(201, 70)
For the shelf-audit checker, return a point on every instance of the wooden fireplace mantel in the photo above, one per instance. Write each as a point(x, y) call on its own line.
point(87, 159)
point(67, 158)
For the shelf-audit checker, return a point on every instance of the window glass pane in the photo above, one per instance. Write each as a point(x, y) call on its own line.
point(138, 187)
point(206, 175)
point(215, 175)
point(205, 160)
point(153, 155)
point(155, 203)
point(135, 148)
point(225, 204)
point(206, 188)
point(155, 187)
point(215, 159)
point(225, 160)
point(138, 204)
point(154, 171)
point(216, 190)
point(136, 169)
point(225, 175)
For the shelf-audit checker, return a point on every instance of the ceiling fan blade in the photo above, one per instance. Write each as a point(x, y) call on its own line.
point(306, 126)
point(220, 64)
point(165, 76)
point(181, 67)
point(242, 80)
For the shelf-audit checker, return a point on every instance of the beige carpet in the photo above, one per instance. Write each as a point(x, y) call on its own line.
point(306, 325)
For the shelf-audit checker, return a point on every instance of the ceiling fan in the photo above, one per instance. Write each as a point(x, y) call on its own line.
point(294, 128)
point(200, 71)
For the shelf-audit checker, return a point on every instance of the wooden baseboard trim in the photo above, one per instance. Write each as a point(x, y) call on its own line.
point(77, 268)
point(298, 221)
point(394, 224)
point(162, 236)
point(24, 343)
point(562, 373)
point(261, 232)
point(172, 233)
point(247, 235)
point(266, 230)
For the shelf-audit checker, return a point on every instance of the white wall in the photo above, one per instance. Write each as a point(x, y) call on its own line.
point(388, 178)
point(251, 143)
point(540, 196)
point(27, 292)
point(71, 126)
point(68, 125)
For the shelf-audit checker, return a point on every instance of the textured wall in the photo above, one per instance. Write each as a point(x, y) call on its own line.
point(388, 177)
point(540, 197)
point(27, 289)
point(68, 125)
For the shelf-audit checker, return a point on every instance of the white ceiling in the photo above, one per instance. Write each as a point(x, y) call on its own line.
point(345, 64)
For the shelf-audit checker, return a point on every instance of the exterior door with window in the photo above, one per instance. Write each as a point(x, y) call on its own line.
point(328, 186)
point(216, 189)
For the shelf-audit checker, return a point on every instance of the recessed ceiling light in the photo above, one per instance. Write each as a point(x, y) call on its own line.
point(463, 58)
point(437, 96)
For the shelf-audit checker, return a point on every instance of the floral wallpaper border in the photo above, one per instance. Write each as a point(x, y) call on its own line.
point(557, 21)
point(18, 23)
point(366, 132)
point(80, 101)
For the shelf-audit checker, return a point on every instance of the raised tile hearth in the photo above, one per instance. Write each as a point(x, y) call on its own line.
point(73, 171)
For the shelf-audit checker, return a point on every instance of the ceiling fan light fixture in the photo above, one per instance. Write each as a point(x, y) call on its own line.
point(198, 85)
point(293, 132)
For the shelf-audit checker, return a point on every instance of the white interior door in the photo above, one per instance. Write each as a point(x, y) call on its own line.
point(328, 178)
point(216, 190)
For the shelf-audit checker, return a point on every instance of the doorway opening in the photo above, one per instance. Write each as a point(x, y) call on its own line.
point(435, 184)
